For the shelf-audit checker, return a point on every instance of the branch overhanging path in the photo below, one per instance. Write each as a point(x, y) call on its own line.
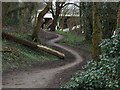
point(38, 78)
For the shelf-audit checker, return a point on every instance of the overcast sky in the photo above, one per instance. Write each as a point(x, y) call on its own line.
point(59, 0)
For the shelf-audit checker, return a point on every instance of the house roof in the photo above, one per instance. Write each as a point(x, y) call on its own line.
point(48, 15)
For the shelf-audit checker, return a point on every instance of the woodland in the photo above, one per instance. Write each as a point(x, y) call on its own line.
point(75, 47)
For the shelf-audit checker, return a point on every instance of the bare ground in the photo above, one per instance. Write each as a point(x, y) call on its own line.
point(50, 74)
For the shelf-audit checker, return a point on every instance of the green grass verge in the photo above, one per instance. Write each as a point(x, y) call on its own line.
point(75, 40)
point(22, 56)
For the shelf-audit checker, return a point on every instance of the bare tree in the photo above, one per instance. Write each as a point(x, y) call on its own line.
point(40, 22)
point(59, 6)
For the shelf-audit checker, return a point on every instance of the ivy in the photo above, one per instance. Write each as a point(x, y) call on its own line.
point(102, 75)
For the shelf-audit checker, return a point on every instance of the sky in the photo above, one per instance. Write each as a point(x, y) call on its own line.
point(59, 0)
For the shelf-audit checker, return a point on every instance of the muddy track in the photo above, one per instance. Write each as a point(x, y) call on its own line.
point(41, 78)
point(77, 58)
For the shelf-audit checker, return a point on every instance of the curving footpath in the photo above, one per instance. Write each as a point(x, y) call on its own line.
point(37, 78)
point(78, 58)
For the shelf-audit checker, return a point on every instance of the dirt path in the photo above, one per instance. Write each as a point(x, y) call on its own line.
point(42, 78)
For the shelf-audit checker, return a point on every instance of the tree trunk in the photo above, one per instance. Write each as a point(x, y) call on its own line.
point(62, 18)
point(97, 32)
point(40, 22)
point(87, 20)
point(32, 45)
point(118, 21)
point(80, 12)
point(54, 23)
point(57, 12)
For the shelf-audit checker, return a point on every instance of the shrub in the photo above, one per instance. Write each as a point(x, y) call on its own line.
point(103, 75)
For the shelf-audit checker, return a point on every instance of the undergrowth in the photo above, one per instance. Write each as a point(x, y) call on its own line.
point(102, 75)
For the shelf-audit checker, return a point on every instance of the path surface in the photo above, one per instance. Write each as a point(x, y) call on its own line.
point(36, 77)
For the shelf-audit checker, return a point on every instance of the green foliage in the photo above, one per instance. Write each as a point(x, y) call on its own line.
point(102, 75)
point(110, 47)
point(71, 38)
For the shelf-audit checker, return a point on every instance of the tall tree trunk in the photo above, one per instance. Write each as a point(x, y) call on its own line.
point(97, 32)
point(80, 12)
point(40, 22)
point(87, 20)
point(57, 12)
point(118, 21)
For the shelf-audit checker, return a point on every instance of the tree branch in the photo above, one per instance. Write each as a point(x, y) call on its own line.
point(71, 4)
point(52, 11)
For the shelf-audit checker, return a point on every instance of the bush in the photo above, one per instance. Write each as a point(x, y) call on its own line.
point(103, 75)
point(111, 47)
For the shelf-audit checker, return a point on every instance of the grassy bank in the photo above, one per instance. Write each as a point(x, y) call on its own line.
point(75, 40)
point(16, 56)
